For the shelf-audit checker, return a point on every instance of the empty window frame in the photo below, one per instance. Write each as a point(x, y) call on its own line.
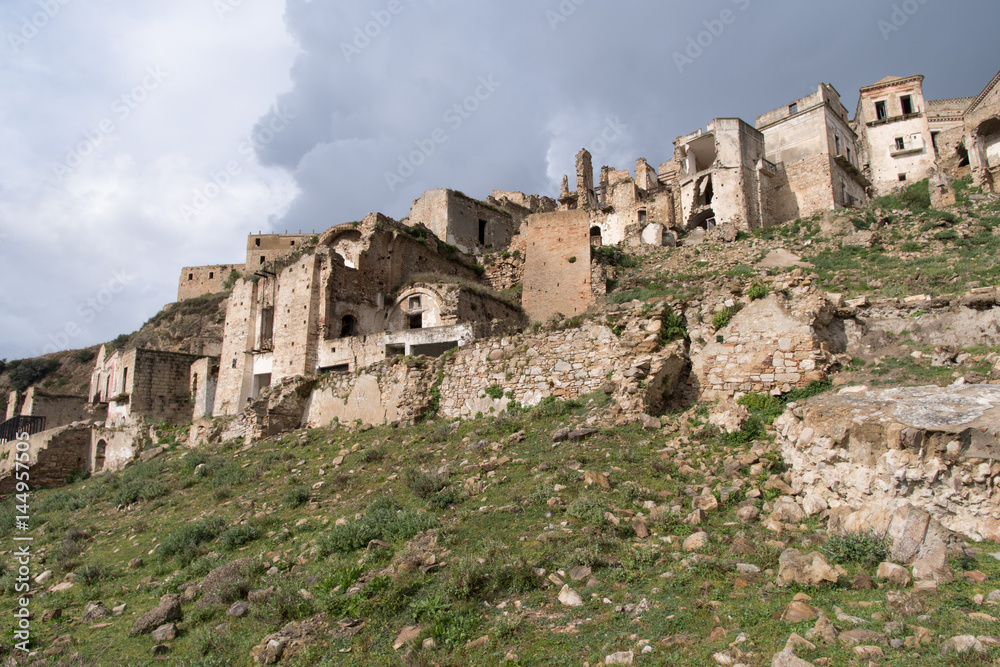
point(906, 104)
point(793, 109)
point(900, 143)
point(881, 113)
point(417, 321)
point(902, 177)
point(413, 303)
point(482, 232)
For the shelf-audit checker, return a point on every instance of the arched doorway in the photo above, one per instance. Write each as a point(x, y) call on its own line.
point(596, 239)
point(100, 452)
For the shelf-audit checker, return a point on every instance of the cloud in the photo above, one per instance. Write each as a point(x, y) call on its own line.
point(364, 91)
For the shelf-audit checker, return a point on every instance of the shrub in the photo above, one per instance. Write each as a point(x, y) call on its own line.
point(946, 235)
point(858, 547)
point(238, 536)
point(674, 327)
point(495, 392)
point(184, 544)
point(93, 573)
point(572, 260)
point(911, 246)
point(84, 356)
point(425, 485)
point(372, 455)
point(23, 373)
point(589, 510)
point(501, 574)
point(385, 519)
point(297, 497)
point(134, 489)
point(722, 318)
point(231, 279)
point(757, 291)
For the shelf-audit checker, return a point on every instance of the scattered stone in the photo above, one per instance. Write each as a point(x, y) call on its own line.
point(805, 569)
point(602, 479)
point(239, 609)
point(696, 541)
point(824, 631)
point(861, 636)
point(862, 582)
point(962, 645)
point(796, 612)
point(897, 575)
point(748, 514)
point(570, 598)
point(405, 636)
point(51, 615)
point(168, 610)
point(44, 577)
point(94, 611)
point(903, 604)
point(868, 652)
point(621, 658)
point(787, 659)
point(165, 633)
point(160, 649)
point(562, 435)
point(580, 572)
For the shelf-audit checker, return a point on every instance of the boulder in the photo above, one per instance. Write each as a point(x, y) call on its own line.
point(168, 610)
point(810, 569)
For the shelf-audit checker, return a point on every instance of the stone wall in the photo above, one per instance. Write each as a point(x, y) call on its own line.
point(59, 410)
point(204, 379)
point(54, 455)
point(557, 272)
point(201, 280)
point(264, 248)
point(159, 385)
point(932, 447)
point(772, 345)
point(462, 221)
point(113, 449)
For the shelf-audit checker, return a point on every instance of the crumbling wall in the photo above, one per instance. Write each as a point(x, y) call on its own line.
point(557, 272)
point(470, 224)
point(54, 455)
point(160, 386)
point(264, 248)
point(204, 380)
point(113, 449)
point(59, 410)
point(202, 280)
point(773, 345)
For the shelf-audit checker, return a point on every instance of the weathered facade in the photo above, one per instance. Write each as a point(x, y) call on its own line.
point(143, 383)
point(471, 225)
point(558, 279)
point(264, 248)
point(814, 149)
point(722, 173)
point(198, 281)
point(58, 410)
point(362, 293)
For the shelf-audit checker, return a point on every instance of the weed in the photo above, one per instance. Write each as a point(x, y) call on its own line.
point(858, 547)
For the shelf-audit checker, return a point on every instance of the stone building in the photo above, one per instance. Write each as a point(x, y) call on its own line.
point(198, 281)
point(814, 148)
point(892, 123)
point(364, 292)
point(982, 136)
point(138, 383)
point(58, 410)
point(721, 175)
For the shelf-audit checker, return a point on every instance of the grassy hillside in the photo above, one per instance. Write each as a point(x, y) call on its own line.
point(459, 529)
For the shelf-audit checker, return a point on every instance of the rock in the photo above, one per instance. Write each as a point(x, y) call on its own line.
point(94, 611)
point(602, 479)
point(696, 518)
point(269, 652)
point(165, 633)
point(805, 569)
point(746, 568)
point(813, 505)
point(239, 609)
point(51, 615)
point(705, 502)
point(650, 423)
point(582, 434)
point(168, 610)
point(696, 541)
point(580, 572)
point(135, 563)
point(640, 528)
point(570, 598)
point(787, 510)
point(120, 609)
point(482, 642)
point(796, 612)
point(160, 649)
point(832, 225)
point(868, 652)
point(748, 514)
point(824, 631)
point(44, 577)
point(561, 435)
point(225, 581)
point(863, 239)
point(862, 582)
point(861, 636)
point(728, 416)
point(903, 605)
point(787, 659)
point(621, 658)
point(897, 575)
point(961, 645)
point(405, 636)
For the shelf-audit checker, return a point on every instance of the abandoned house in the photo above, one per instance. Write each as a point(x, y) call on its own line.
point(362, 293)
point(815, 150)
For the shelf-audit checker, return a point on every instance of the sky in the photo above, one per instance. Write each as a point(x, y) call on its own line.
point(139, 137)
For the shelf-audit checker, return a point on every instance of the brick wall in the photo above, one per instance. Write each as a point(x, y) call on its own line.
point(159, 385)
point(552, 284)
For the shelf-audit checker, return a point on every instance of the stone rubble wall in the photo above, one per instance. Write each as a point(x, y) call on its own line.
point(931, 447)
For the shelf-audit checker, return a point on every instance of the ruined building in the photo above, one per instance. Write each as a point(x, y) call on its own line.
point(360, 294)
